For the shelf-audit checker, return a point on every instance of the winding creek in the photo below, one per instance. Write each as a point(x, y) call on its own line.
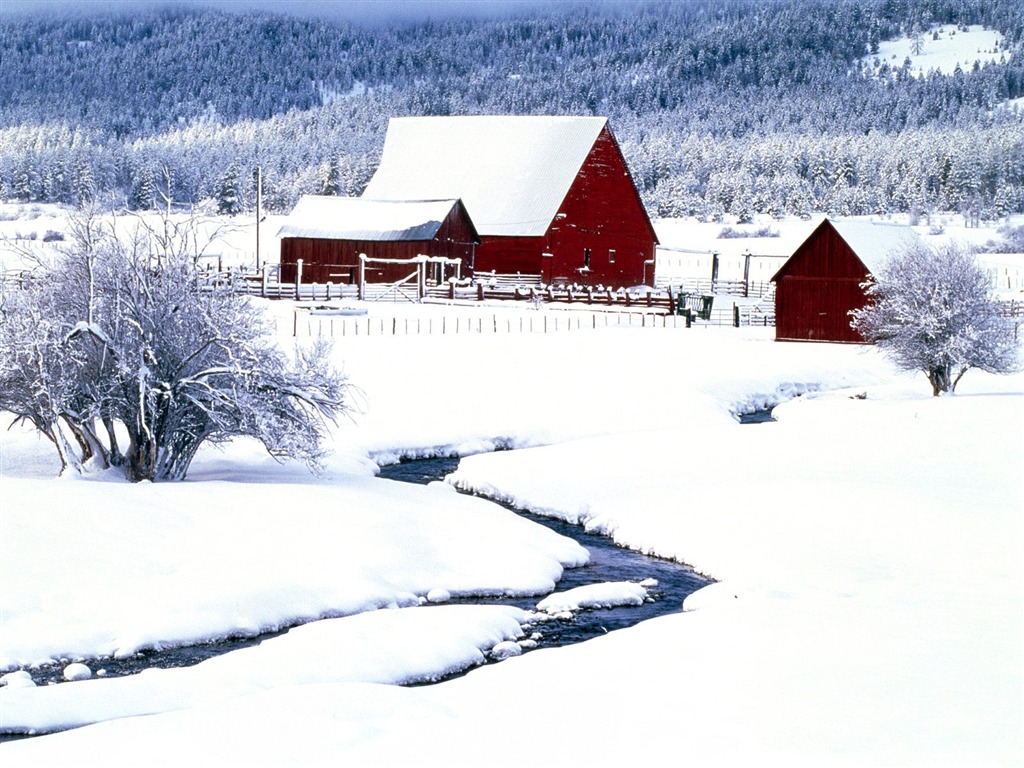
point(608, 563)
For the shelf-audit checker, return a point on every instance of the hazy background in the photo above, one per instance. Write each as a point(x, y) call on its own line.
point(357, 11)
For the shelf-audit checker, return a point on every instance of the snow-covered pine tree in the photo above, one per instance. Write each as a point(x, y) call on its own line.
point(228, 201)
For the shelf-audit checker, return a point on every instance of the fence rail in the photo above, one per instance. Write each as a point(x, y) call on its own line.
point(1011, 308)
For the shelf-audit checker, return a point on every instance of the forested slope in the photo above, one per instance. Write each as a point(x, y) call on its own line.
point(733, 106)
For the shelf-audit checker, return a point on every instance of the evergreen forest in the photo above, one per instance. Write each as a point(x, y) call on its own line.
point(720, 106)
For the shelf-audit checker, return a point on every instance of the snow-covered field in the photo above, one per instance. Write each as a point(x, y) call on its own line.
point(867, 552)
point(866, 546)
point(942, 48)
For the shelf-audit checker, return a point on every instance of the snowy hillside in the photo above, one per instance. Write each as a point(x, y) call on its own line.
point(942, 49)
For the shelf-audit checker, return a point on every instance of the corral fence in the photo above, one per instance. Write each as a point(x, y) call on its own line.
point(507, 287)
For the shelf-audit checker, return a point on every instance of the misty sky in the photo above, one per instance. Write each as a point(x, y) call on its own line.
point(367, 11)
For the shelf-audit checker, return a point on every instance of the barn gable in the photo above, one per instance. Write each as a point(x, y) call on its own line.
point(822, 281)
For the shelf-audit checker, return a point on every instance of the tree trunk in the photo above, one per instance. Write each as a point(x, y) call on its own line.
point(941, 379)
point(116, 457)
point(141, 457)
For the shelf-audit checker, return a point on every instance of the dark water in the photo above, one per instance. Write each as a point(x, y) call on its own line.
point(756, 417)
point(607, 563)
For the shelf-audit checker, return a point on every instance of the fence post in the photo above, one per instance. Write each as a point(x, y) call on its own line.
point(266, 279)
point(298, 278)
point(735, 315)
point(362, 277)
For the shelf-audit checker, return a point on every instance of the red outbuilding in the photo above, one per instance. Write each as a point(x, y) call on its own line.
point(822, 281)
point(549, 196)
point(330, 234)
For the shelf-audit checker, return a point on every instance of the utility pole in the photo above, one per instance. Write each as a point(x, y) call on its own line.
point(259, 213)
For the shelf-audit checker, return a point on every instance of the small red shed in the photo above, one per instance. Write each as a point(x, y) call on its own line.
point(822, 281)
point(549, 196)
point(329, 233)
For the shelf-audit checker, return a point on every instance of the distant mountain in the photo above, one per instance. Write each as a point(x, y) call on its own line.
point(721, 106)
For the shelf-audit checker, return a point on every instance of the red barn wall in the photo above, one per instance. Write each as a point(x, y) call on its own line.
point(816, 289)
point(603, 213)
point(508, 255)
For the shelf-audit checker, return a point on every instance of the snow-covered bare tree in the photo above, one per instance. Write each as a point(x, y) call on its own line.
point(933, 311)
point(121, 335)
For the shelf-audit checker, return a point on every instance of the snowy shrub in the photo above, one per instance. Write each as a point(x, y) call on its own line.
point(932, 311)
point(119, 334)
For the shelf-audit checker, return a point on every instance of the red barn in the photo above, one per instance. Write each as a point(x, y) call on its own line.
point(549, 196)
point(822, 281)
point(329, 233)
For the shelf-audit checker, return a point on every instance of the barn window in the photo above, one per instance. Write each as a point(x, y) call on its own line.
point(611, 255)
point(586, 258)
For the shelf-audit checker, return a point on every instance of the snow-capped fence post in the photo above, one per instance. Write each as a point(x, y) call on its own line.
point(266, 280)
point(298, 278)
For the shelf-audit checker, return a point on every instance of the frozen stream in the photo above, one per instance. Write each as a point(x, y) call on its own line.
point(608, 563)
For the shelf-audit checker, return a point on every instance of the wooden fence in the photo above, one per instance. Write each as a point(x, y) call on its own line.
point(311, 323)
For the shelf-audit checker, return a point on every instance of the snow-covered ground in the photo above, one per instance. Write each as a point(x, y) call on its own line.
point(867, 551)
point(943, 48)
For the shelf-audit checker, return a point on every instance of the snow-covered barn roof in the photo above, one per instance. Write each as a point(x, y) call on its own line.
point(875, 242)
point(360, 218)
point(512, 173)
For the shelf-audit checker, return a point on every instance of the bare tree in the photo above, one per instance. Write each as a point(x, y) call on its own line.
point(123, 336)
point(933, 311)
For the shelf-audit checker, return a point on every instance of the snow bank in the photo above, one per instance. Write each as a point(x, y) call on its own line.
point(609, 594)
point(148, 565)
point(387, 646)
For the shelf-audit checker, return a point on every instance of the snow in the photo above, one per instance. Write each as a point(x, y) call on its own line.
point(388, 647)
point(875, 242)
point(511, 172)
point(953, 48)
point(170, 564)
point(866, 547)
point(609, 594)
point(77, 671)
point(357, 218)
